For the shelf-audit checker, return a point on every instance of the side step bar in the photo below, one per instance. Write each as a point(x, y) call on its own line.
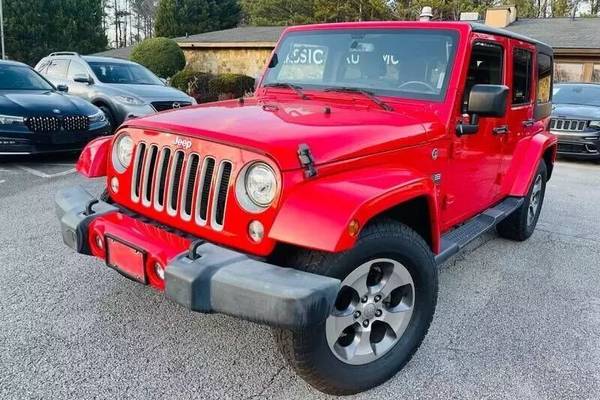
point(457, 239)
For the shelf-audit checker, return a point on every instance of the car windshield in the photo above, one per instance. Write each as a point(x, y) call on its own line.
point(588, 95)
point(410, 63)
point(15, 77)
point(123, 73)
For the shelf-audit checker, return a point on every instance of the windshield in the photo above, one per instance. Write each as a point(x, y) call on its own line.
point(407, 63)
point(15, 77)
point(123, 73)
point(588, 95)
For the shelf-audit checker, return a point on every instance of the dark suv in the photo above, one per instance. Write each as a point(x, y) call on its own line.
point(576, 119)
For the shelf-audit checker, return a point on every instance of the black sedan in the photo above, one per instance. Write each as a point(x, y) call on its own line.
point(576, 119)
point(36, 117)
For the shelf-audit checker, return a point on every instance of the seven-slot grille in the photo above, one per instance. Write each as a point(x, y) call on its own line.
point(54, 124)
point(573, 125)
point(191, 186)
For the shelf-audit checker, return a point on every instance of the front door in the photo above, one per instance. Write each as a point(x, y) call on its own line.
point(472, 182)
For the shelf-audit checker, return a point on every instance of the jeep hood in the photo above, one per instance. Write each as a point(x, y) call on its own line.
point(276, 128)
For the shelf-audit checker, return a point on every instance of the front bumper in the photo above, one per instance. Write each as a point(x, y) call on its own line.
point(584, 145)
point(215, 280)
point(16, 143)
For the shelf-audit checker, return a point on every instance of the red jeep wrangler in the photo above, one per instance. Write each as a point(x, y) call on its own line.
point(322, 206)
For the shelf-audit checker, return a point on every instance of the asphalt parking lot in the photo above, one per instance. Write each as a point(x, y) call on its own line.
point(514, 320)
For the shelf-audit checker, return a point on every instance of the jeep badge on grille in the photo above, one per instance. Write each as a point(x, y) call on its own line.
point(183, 143)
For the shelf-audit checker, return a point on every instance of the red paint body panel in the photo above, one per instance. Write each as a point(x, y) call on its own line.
point(94, 158)
point(368, 159)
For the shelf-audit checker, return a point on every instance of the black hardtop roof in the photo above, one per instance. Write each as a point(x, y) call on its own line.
point(542, 47)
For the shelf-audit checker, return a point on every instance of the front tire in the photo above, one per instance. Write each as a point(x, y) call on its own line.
point(521, 223)
point(383, 310)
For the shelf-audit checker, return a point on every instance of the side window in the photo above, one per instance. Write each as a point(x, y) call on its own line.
point(76, 68)
point(485, 67)
point(544, 87)
point(522, 71)
point(58, 69)
point(42, 68)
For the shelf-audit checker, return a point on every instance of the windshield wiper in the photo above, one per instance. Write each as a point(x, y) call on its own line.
point(295, 88)
point(365, 93)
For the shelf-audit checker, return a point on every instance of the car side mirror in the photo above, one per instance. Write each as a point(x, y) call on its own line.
point(484, 101)
point(62, 88)
point(81, 78)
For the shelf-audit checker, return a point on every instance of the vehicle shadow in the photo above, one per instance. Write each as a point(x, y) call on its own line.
point(50, 158)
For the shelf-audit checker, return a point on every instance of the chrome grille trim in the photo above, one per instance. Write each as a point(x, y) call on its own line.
point(149, 174)
point(138, 163)
point(174, 182)
point(203, 191)
point(572, 125)
point(191, 172)
point(220, 194)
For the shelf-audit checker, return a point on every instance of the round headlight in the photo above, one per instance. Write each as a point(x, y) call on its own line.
point(261, 184)
point(124, 151)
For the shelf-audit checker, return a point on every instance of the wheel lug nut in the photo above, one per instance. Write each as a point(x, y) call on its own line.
point(366, 323)
point(356, 314)
point(377, 298)
point(378, 313)
point(364, 299)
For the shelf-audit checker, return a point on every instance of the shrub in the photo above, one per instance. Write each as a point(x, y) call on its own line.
point(206, 87)
point(227, 86)
point(195, 84)
point(160, 55)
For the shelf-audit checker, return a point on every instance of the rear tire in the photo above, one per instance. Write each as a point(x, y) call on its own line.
point(109, 117)
point(521, 223)
point(342, 366)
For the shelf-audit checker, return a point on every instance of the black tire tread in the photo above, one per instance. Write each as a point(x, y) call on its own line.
point(296, 352)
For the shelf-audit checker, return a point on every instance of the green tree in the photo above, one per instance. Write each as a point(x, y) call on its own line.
point(188, 17)
point(34, 28)
point(160, 55)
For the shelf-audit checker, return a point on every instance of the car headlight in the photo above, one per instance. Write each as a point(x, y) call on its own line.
point(10, 119)
point(122, 152)
point(98, 117)
point(594, 124)
point(130, 100)
point(256, 187)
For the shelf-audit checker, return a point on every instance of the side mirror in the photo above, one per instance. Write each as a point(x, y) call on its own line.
point(484, 101)
point(62, 88)
point(81, 78)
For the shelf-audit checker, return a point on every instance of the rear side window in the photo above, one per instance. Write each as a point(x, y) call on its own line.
point(544, 89)
point(58, 69)
point(522, 72)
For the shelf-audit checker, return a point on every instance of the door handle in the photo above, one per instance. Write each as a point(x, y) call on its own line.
point(500, 130)
point(528, 123)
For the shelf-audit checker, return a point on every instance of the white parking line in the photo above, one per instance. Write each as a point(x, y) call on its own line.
point(45, 175)
point(2, 181)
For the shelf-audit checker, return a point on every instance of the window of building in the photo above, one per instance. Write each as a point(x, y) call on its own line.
point(569, 72)
point(544, 87)
point(521, 93)
point(596, 73)
point(58, 69)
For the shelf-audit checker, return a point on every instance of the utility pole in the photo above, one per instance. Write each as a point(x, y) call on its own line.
point(2, 31)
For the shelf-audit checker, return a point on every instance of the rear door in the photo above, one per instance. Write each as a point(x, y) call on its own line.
point(520, 118)
point(471, 181)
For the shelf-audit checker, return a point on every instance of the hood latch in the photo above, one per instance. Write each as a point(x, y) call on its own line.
point(306, 161)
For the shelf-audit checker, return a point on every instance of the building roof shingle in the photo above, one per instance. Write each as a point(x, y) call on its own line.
point(244, 34)
point(580, 33)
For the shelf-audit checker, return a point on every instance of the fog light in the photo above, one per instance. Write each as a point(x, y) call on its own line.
point(114, 184)
point(99, 242)
point(160, 271)
point(256, 231)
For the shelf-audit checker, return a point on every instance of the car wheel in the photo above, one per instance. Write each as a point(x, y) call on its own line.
point(382, 312)
point(109, 117)
point(522, 222)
